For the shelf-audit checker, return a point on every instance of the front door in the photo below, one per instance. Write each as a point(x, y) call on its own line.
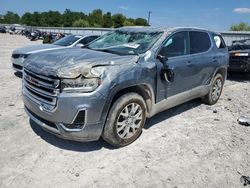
point(177, 49)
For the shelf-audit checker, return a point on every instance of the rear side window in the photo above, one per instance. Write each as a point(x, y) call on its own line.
point(199, 42)
point(87, 40)
point(219, 42)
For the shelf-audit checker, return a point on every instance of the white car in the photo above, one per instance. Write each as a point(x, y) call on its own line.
point(20, 54)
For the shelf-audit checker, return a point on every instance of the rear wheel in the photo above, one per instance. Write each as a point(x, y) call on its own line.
point(215, 91)
point(125, 120)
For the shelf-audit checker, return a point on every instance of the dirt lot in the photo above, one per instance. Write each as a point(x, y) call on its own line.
point(192, 145)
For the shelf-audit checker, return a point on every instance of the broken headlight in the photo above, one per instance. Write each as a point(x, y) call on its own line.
point(80, 84)
point(24, 56)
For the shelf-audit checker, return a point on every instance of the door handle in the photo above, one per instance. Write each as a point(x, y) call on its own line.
point(215, 59)
point(189, 64)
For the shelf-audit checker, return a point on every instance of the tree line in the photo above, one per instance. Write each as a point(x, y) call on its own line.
point(242, 26)
point(72, 19)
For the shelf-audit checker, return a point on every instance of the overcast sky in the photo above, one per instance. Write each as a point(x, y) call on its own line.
point(211, 14)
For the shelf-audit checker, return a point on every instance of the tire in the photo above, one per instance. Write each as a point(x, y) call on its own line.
point(215, 90)
point(125, 120)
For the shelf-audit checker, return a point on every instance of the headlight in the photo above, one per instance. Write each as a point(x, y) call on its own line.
point(80, 84)
point(15, 56)
point(24, 55)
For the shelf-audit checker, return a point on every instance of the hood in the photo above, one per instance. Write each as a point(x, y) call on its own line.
point(71, 62)
point(36, 48)
point(244, 51)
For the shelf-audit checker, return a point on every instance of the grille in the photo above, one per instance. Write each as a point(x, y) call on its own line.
point(17, 67)
point(41, 89)
point(237, 60)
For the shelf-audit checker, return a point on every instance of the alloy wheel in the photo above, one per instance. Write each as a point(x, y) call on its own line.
point(129, 120)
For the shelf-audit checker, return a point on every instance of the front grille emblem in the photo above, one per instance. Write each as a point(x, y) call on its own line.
point(31, 80)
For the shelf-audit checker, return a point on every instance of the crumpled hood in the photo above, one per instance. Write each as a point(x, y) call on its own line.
point(36, 48)
point(70, 63)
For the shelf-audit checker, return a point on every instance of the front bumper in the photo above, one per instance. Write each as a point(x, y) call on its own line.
point(67, 109)
point(239, 64)
point(17, 64)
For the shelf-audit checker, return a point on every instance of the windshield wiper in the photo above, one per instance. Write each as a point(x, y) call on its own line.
point(86, 46)
point(108, 51)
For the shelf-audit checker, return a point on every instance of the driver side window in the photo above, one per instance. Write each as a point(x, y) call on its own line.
point(176, 45)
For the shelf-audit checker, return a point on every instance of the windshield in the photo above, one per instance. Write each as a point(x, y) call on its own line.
point(241, 45)
point(125, 43)
point(67, 41)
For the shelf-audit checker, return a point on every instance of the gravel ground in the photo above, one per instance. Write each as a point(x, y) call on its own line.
point(192, 145)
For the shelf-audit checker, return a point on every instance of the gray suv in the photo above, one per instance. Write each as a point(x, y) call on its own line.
point(111, 86)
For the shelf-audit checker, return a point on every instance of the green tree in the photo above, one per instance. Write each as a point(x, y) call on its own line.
point(129, 22)
point(27, 19)
point(67, 18)
point(95, 18)
point(1, 18)
point(141, 22)
point(242, 26)
point(43, 19)
point(36, 18)
point(71, 18)
point(118, 20)
point(53, 18)
point(107, 20)
point(11, 18)
point(81, 23)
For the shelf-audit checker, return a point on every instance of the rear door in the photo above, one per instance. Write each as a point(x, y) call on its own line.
point(203, 58)
point(221, 50)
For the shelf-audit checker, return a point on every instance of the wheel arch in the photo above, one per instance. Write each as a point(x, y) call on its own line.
point(222, 71)
point(142, 89)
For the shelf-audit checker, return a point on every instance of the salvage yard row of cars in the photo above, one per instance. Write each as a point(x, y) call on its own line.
point(109, 85)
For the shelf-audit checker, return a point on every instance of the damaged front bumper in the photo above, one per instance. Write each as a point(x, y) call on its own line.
point(239, 64)
point(77, 117)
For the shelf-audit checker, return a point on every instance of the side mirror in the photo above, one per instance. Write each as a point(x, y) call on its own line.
point(80, 45)
point(167, 74)
point(162, 58)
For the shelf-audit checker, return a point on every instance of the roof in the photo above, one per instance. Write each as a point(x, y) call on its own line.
point(158, 29)
point(84, 35)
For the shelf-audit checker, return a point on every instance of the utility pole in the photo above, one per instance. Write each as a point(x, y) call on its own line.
point(149, 14)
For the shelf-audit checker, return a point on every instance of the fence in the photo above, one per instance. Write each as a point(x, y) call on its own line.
point(228, 36)
point(74, 30)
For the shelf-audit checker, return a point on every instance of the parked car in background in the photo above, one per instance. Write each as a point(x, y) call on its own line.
point(240, 56)
point(15, 29)
point(112, 85)
point(2, 29)
point(35, 35)
point(49, 37)
point(20, 54)
point(26, 32)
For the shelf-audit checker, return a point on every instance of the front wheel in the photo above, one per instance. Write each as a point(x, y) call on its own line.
point(215, 90)
point(125, 120)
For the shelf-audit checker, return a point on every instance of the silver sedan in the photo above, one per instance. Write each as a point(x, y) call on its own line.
point(20, 54)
